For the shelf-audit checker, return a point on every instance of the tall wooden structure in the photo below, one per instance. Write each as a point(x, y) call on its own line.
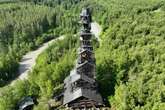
point(80, 87)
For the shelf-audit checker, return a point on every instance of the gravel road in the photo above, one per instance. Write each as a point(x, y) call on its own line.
point(28, 61)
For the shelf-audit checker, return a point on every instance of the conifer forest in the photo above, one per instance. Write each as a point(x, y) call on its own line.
point(130, 55)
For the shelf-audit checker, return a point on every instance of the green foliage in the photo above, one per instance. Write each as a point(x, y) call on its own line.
point(11, 95)
point(46, 78)
point(20, 26)
point(25, 26)
point(130, 60)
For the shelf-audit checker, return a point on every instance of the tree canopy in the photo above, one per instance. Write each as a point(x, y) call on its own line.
point(130, 58)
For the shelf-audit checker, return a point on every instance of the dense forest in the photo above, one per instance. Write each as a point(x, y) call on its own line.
point(24, 27)
point(130, 57)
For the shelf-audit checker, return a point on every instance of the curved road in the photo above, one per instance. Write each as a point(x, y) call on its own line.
point(28, 61)
point(96, 30)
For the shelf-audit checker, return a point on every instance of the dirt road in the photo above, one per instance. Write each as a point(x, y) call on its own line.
point(29, 60)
